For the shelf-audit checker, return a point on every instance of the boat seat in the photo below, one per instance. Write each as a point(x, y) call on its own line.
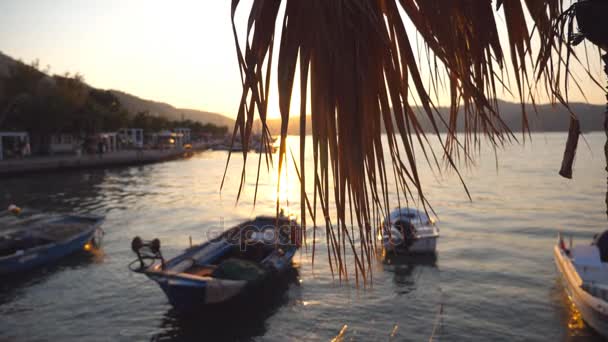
point(182, 266)
point(201, 271)
point(190, 262)
point(203, 253)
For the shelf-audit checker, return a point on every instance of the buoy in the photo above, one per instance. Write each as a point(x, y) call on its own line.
point(14, 209)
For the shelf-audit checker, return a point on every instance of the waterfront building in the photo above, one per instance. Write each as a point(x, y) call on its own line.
point(13, 144)
point(186, 133)
point(134, 136)
point(63, 143)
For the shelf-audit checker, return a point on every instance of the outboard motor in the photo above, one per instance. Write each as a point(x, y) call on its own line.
point(147, 253)
point(407, 233)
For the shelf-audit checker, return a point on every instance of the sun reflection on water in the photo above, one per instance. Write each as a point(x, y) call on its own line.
point(575, 319)
point(287, 193)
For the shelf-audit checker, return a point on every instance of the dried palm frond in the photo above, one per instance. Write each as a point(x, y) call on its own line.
point(590, 17)
point(360, 59)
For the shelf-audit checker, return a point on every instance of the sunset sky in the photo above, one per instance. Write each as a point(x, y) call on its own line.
point(181, 52)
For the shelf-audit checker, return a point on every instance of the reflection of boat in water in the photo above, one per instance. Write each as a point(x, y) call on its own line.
point(407, 268)
point(428, 259)
point(15, 285)
point(239, 321)
point(584, 273)
point(408, 230)
point(238, 264)
point(46, 241)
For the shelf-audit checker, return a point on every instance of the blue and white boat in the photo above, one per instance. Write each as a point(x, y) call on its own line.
point(409, 231)
point(234, 266)
point(583, 269)
point(46, 241)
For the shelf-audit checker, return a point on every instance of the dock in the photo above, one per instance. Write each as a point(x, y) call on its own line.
point(28, 165)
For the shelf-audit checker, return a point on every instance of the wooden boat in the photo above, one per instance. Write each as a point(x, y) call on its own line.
point(237, 264)
point(44, 242)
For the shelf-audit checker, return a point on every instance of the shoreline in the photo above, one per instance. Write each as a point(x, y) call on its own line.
point(26, 166)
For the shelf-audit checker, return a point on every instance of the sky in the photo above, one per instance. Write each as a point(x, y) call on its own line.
point(181, 52)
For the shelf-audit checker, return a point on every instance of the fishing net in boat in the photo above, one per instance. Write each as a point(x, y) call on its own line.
point(10, 246)
point(59, 231)
point(239, 269)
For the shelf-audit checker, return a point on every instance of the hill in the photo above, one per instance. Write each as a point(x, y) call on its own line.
point(135, 104)
point(5, 63)
point(547, 119)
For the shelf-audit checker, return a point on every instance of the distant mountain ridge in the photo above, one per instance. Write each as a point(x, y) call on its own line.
point(548, 118)
point(134, 104)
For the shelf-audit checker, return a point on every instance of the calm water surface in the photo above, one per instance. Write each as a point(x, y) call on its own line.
point(494, 277)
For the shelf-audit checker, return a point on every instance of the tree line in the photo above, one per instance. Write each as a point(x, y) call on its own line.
point(157, 123)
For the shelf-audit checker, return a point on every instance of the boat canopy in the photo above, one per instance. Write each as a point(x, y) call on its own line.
point(408, 215)
point(601, 241)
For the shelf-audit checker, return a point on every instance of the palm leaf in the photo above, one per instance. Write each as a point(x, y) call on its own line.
point(365, 79)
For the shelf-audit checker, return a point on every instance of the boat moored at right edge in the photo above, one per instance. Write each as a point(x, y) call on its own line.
point(583, 269)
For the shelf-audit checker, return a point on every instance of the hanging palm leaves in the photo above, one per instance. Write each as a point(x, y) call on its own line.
point(357, 60)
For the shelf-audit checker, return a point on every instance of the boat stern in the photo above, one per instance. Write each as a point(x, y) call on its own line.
point(188, 292)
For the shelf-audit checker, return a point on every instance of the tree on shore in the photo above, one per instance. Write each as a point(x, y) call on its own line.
point(18, 88)
point(154, 123)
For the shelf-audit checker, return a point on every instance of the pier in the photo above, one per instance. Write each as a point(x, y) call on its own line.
point(15, 167)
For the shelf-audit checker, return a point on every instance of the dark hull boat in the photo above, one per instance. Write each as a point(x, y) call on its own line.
point(236, 266)
point(217, 322)
point(45, 242)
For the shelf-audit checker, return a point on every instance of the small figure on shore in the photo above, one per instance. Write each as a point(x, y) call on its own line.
point(27, 149)
point(100, 149)
point(24, 149)
point(84, 146)
point(17, 150)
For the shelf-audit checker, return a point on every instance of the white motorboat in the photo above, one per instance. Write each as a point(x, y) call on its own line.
point(584, 272)
point(408, 230)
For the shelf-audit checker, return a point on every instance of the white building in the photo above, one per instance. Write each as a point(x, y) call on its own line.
point(110, 139)
point(21, 140)
point(135, 136)
point(167, 139)
point(186, 134)
point(63, 143)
